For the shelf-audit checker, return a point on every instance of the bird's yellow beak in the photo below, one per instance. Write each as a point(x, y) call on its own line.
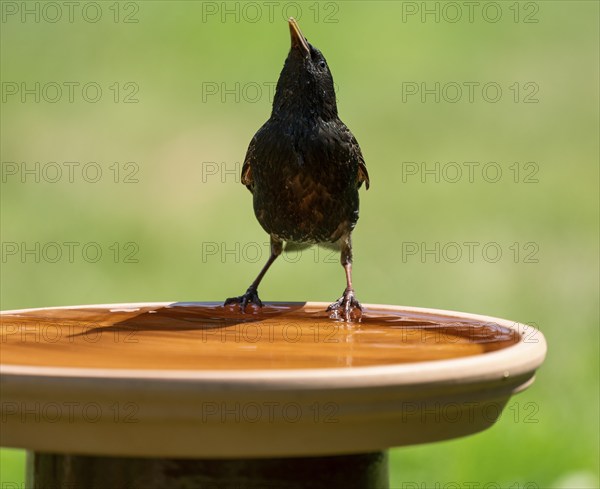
point(298, 40)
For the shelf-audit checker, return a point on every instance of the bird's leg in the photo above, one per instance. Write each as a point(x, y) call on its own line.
point(348, 302)
point(251, 295)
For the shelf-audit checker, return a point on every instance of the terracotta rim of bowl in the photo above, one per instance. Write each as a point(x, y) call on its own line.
point(519, 359)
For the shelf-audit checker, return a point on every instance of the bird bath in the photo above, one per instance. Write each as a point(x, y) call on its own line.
point(161, 395)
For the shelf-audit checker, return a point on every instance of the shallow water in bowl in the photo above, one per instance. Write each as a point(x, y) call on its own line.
point(202, 336)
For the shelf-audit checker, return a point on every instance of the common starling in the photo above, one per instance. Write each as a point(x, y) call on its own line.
point(304, 168)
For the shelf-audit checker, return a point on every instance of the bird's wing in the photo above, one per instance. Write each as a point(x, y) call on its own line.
point(247, 179)
point(363, 174)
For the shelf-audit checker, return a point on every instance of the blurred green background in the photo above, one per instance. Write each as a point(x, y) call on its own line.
point(184, 227)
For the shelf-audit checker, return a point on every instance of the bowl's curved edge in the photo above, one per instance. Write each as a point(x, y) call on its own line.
point(525, 356)
point(204, 414)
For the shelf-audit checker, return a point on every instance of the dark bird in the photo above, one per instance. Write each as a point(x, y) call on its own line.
point(304, 168)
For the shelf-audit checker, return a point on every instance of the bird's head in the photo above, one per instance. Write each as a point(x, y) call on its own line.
point(305, 85)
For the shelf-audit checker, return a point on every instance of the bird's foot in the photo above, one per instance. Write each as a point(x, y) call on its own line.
point(250, 297)
point(346, 306)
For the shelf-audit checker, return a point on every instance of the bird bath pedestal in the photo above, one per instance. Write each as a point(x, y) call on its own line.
point(197, 395)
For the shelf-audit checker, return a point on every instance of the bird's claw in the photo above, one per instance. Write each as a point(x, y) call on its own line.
point(250, 297)
point(347, 304)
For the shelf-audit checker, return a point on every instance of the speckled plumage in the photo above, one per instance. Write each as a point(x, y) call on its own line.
point(305, 179)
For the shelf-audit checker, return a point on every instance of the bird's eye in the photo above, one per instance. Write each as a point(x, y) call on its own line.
point(322, 65)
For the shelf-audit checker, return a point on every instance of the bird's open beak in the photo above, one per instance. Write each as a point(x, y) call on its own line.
point(298, 40)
